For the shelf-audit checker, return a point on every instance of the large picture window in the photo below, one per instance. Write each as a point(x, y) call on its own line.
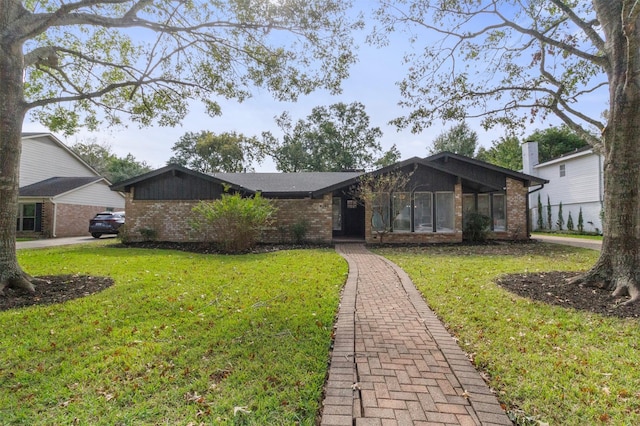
point(499, 213)
point(402, 211)
point(380, 212)
point(484, 204)
point(26, 217)
point(423, 212)
point(445, 212)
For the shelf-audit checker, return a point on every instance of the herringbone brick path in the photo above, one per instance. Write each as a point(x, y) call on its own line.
point(393, 362)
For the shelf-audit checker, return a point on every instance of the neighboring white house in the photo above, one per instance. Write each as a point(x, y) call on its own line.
point(59, 192)
point(575, 180)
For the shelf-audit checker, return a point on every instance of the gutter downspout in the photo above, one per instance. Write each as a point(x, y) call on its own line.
point(529, 208)
point(55, 218)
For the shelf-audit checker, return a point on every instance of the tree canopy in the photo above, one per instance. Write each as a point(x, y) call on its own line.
point(334, 138)
point(459, 139)
point(104, 161)
point(208, 152)
point(556, 141)
point(512, 62)
point(94, 62)
point(552, 143)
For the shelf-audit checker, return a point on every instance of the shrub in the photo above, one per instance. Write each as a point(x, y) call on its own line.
point(540, 219)
point(549, 213)
point(233, 222)
point(299, 231)
point(123, 234)
point(580, 222)
point(560, 221)
point(148, 234)
point(570, 222)
point(476, 227)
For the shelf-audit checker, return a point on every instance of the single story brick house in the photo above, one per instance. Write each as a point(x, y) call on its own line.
point(438, 192)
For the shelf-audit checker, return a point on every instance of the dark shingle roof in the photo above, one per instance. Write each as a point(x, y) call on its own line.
point(56, 186)
point(287, 182)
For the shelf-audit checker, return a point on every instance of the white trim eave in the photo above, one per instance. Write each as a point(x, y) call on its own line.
point(84, 186)
point(564, 158)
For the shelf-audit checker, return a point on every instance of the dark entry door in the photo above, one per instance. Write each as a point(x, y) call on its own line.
point(353, 218)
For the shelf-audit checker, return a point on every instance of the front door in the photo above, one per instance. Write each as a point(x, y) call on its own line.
point(348, 217)
point(353, 218)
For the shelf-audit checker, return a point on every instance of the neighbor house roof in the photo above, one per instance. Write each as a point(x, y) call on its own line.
point(288, 183)
point(57, 186)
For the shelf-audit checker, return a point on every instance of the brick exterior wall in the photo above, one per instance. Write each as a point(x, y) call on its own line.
point(71, 220)
point(517, 226)
point(316, 212)
point(170, 219)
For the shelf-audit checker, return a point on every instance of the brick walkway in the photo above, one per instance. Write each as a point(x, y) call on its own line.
point(393, 362)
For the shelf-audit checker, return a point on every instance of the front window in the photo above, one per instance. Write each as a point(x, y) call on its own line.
point(499, 213)
point(445, 212)
point(337, 213)
point(26, 217)
point(402, 211)
point(380, 212)
point(484, 204)
point(423, 212)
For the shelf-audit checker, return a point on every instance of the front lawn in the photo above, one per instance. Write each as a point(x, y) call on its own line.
point(557, 365)
point(181, 338)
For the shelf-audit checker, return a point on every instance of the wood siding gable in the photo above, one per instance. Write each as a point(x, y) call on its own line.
point(177, 186)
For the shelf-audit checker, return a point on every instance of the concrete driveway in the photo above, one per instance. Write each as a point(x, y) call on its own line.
point(53, 242)
point(568, 241)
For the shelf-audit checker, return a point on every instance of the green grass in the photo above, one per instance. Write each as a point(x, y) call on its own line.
point(559, 365)
point(569, 235)
point(180, 338)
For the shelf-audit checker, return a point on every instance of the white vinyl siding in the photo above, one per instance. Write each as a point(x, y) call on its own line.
point(95, 194)
point(42, 158)
point(579, 185)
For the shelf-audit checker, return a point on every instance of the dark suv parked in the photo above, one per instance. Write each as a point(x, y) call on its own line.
point(106, 223)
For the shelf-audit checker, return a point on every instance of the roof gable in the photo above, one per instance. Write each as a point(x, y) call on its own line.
point(55, 186)
point(465, 166)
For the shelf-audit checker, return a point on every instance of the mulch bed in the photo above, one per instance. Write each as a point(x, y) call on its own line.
point(553, 288)
point(52, 289)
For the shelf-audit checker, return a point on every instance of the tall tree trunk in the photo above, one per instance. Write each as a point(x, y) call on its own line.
point(12, 113)
point(618, 268)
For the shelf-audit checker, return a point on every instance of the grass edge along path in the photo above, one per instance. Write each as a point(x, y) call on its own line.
point(547, 364)
point(181, 338)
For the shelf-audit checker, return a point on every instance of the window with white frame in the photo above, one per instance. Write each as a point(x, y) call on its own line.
point(445, 212)
point(563, 170)
point(402, 211)
point(423, 211)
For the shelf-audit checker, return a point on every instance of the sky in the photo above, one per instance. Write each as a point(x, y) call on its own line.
point(373, 82)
